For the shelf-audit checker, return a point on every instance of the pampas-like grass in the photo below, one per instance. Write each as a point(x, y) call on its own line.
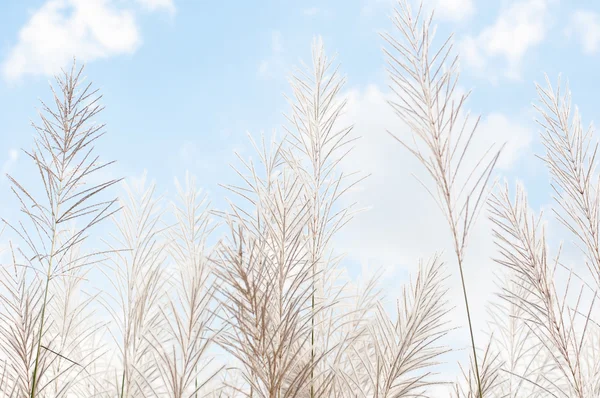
point(189, 313)
point(392, 359)
point(21, 295)
point(266, 274)
point(65, 159)
point(523, 250)
point(571, 160)
point(73, 331)
point(523, 358)
point(272, 292)
point(564, 329)
point(316, 144)
point(138, 276)
point(423, 79)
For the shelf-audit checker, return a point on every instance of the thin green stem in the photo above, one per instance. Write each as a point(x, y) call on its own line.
point(123, 384)
point(312, 341)
point(464, 288)
point(42, 319)
point(446, 184)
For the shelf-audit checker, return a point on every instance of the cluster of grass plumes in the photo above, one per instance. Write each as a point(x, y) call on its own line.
point(270, 295)
point(545, 340)
point(267, 310)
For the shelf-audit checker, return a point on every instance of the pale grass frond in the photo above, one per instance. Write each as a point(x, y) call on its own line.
point(73, 335)
point(521, 241)
point(266, 276)
point(317, 144)
point(21, 298)
point(490, 377)
point(182, 357)
point(571, 159)
point(137, 277)
point(423, 78)
point(591, 361)
point(524, 358)
point(64, 157)
point(314, 147)
point(392, 358)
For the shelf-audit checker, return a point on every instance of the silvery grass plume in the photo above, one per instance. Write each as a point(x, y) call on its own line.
point(571, 152)
point(137, 278)
point(571, 160)
point(565, 329)
point(423, 79)
point(392, 358)
point(7, 384)
point(63, 154)
point(490, 378)
point(189, 314)
point(523, 357)
point(266, 275)
point(70, 334)
point(314, 147)
point(559, 326)
point(21, 294)
point(74, 333)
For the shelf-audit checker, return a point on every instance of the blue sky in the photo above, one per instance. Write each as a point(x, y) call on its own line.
point(192, 77)
point(206, 73)
point(184, 81)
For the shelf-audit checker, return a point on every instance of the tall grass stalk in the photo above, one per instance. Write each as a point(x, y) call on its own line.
point(423, 79)
point(137, 275)
point(64, 157)
point(316, 146)
point(266, 275)
point(190, 311)
point(564, 329)
point(272, 292)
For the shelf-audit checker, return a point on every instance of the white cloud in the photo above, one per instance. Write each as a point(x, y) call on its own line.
point(86, 29)
point(13, 156)
point(519, 28)
point(158, 5)
point(371, 6)
point(192, 154)
point(311, 11)
point(61, 29)
point(189, 152)
point(391, 167)
point(273, 65)
point(276, 42)
point(585, 26)
point(263, 68)
point(497, 128)
point(403, 223)
point(445, 10)
point(453, 10)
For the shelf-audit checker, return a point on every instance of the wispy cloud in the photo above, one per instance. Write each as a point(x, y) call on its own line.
point(392, 234)
point(518, 29)
point(445, 10)
point(584, 25)
point(62, 29)
point(453, 10)
point(403, 223)
point(158, 5)
point(272, 65)
point(312, 11)
point(13, 156)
